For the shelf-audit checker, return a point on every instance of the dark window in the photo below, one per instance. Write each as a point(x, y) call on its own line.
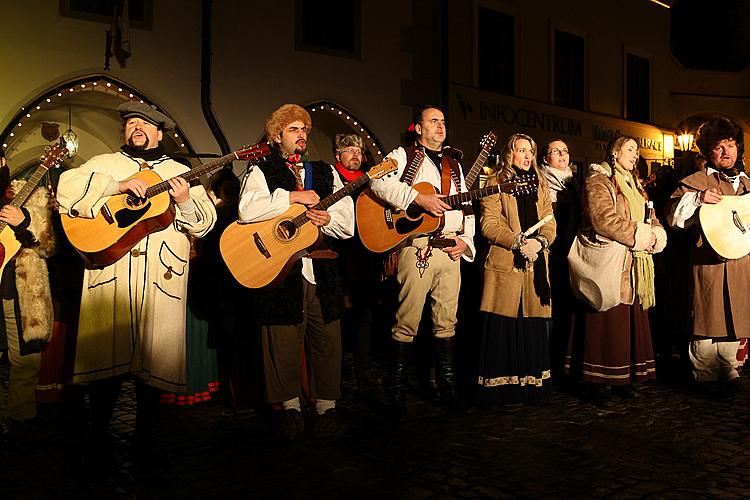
point(638, 85)
point(140, 12)
point(329, 27)
point(569, 70)
point(496, 39)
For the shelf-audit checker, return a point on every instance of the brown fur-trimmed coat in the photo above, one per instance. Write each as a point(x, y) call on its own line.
point(505, 286)
point(606, 217)
point(32, 275)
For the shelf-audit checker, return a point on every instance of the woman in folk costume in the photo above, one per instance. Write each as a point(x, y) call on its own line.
point(613, 347)
point(565, 192)
point(26, 298)
point(514, 364)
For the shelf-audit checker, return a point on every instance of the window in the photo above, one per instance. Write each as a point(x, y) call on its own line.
point(140, 12)
point(497, 49)
point(329, 27)
point(569, 70)
point(638, 89)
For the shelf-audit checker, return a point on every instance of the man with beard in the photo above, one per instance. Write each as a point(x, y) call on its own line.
point(720, 313)
point(132, 318)
point(360, 268)
point(306, 306)
point(428, 266)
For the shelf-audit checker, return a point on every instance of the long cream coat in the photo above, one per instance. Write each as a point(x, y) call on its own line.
point(504, 285)
point(133, 311)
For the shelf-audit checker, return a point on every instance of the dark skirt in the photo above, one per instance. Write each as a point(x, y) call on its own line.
point(514, 364)
point(611, 347)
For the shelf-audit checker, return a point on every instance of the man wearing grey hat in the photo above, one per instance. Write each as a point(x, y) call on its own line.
point(132, 317)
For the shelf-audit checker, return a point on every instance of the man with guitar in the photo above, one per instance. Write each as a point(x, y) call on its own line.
point(24, 289)
point(428, 265)
point(132, 317)
point(720, 313)
point(307, 304)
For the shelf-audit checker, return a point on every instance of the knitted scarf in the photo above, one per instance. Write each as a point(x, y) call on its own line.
point(644, 263)
point(348, 175)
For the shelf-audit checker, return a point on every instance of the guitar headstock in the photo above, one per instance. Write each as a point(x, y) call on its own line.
point(384, 168)
point(250, 153)
point(52, 155)
point(521, 184)
point(488, 141)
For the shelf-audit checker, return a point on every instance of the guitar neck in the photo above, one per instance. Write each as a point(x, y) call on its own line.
point(26, 190)
point(193, 173)
point(476, 168)
point(458, 199)
point(326, 202)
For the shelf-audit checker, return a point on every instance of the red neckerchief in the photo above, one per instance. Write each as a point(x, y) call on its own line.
point(348, 175)
point(293, 164)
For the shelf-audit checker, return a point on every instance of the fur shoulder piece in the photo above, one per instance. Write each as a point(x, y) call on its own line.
point(40, 209)
point(600, 168)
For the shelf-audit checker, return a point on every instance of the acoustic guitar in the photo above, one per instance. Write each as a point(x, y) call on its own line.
point(261, 253)
point(383, 227)
point(380, 233)
point(726, 226)
point(126, 219)
point(9, 245)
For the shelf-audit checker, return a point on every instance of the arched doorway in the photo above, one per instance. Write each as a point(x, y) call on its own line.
point(330, 119)
point(85, 105)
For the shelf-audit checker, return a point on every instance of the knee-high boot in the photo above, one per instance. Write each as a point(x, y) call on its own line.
point(398, 372)
point(445, 375)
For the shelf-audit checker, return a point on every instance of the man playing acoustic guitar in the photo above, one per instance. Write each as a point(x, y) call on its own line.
point(720, 313)
point(308, 303)
point(133, 311)
point(423, 269)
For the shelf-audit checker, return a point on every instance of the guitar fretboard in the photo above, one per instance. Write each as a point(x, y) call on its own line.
point(476, 167)
point(193, 173)
point(330, 200)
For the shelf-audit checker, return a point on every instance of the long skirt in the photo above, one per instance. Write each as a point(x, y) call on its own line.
point(514, 364)
point(202, 365)
point(611, 347)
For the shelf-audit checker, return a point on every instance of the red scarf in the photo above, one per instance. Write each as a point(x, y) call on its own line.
point(348, 175)
point(293, 164)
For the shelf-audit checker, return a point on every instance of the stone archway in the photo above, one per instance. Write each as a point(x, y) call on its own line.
point(88, 106)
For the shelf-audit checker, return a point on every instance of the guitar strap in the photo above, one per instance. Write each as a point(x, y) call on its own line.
point(411, 170)
point(308, 176)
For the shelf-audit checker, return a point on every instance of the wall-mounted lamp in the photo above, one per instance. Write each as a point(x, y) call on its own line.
point(685, 141)
point(70, 138)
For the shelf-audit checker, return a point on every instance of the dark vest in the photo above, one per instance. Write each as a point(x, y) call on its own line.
point(282, 305)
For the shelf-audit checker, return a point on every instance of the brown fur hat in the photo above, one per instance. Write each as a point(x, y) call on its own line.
point(716, 130)
point(283, 116)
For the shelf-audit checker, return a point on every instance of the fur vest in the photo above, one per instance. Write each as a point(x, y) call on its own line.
point(282, 305)
point(32, 276)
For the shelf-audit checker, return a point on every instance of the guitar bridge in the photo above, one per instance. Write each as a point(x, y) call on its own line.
point(738, 222)
point(261, 247)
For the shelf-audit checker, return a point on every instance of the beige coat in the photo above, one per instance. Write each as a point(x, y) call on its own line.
point(606, 217)
point(505, 286)
point(712, 276)
point(133, 311)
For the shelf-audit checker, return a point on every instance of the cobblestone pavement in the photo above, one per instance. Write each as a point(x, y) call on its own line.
point(670, 442)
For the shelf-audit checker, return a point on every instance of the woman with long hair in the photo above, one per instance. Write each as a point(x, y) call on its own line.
point(514, 365)
point(613, 347)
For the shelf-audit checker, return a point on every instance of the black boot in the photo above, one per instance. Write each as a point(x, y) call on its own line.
point(398, 374)
point(445, 375)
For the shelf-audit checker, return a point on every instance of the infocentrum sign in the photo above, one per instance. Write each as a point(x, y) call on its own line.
point(473, 112)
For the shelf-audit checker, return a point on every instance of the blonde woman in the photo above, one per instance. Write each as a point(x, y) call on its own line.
point(613, 347)
point(514, 364)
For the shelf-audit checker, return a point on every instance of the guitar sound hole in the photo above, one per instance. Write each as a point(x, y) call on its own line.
point(286, 230)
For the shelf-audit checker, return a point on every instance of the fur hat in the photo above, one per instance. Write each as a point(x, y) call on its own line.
point(150, 114)
point(343, 141)
point(716, 130)
point(283, 116)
